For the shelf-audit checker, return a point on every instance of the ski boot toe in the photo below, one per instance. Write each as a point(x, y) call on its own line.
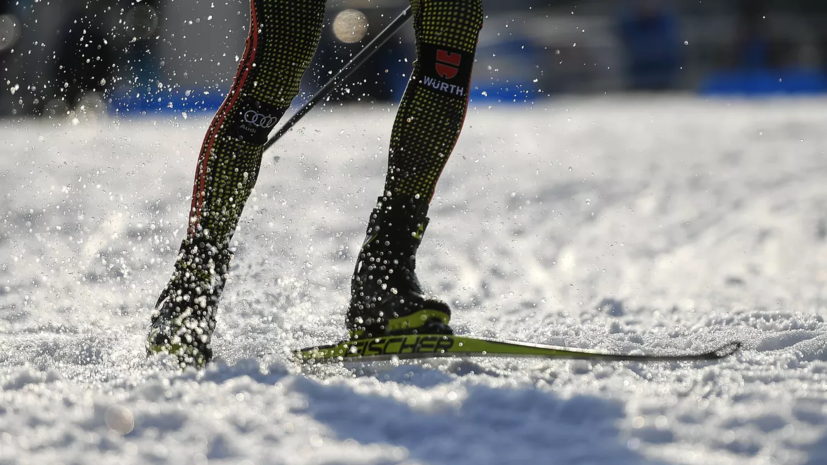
point(184, 317)
point(431, 319)
point(182, 329)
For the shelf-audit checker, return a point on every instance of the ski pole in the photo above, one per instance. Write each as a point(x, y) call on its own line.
point(343, 74)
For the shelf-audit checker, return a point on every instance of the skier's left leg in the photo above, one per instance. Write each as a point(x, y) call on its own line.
point(386, 297)
point(282, 38)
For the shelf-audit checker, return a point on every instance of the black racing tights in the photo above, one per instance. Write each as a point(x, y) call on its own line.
point(283, 37)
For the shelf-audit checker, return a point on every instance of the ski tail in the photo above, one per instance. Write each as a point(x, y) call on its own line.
point(419, 346)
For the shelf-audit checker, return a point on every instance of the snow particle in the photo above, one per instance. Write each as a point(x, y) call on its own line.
point(119, 419)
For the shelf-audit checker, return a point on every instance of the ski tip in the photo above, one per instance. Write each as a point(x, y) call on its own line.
point(727, 349)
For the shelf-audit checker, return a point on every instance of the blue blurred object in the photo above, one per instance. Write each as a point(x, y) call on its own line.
point(148, 101)
point(502, 74)
point(755, 53)
point(765, 82)
point(760, 69)
point(649, 33)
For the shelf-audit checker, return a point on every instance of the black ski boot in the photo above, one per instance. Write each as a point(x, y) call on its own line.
point(385, 295)
point(184, 317)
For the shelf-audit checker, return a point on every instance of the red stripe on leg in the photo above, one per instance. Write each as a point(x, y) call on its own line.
point(243, 72)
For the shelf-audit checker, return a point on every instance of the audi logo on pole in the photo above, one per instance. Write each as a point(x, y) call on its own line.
point(257, 119)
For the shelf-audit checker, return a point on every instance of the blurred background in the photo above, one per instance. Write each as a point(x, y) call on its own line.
point(140, 57)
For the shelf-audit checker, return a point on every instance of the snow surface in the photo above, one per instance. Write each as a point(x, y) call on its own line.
point(660, 225)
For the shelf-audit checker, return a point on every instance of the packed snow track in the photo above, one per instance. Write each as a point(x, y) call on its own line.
point(658, 225)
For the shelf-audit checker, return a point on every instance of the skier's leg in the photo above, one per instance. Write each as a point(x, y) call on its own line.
point(282, 39)
point(385, 293)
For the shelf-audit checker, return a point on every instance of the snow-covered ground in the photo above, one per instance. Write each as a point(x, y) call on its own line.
point(657, 225)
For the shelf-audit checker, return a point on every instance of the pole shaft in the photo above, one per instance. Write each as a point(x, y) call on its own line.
point(364, 55)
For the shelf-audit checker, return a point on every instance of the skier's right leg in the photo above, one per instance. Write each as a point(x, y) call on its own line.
point(282, 39)
point(386, 296)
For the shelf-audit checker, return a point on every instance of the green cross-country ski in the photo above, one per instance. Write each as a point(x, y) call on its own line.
point(418, 346)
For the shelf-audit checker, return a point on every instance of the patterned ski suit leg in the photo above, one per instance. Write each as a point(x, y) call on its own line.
point(432, 111)
point(283, 37)
point(386, 295)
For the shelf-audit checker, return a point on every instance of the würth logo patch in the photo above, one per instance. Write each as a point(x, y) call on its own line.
point(447, 63)
point(446, 70)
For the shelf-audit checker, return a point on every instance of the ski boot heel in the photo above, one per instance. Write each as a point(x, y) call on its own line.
point(386, 296)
